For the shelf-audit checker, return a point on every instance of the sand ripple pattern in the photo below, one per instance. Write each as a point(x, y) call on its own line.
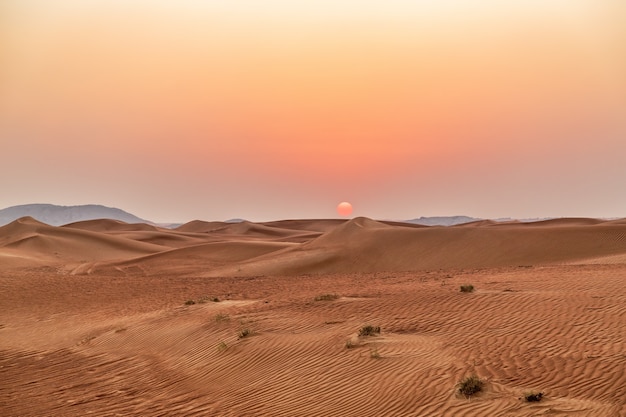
point(557, 329)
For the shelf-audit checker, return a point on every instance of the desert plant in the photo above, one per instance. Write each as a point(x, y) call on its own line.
point(374, 354)
point(369, 330)
point(533, 396)
point(244, 333)
point(326, 297)
point(467, 288)
point(207, 298)
point(222, 346)
point(221, 317)
point(470, 385)
point(189, 302)
point(350, 344)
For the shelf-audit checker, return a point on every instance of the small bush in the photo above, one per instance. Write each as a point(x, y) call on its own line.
point(189, 302)
point(467, 288)
point(244, 333)
point(221, 317)
point(350, 344)
point(205, 299)
point(470, 385)
point(326, 297)
point(532, 396)
point(369, 330)
point(222, 346)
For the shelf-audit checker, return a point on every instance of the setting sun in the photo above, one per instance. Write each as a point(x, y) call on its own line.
point(344, 209)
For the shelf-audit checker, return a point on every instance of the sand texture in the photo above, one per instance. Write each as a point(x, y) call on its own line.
point(262, 319)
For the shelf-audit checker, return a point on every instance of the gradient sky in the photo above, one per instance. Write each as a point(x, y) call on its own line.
point(191, 109)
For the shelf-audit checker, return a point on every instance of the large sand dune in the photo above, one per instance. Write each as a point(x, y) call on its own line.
point(28, 239)
point(94, 318)
point(364, 245)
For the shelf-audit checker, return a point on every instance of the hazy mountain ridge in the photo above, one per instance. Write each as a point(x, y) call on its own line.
point(455, 220)
point(56, 215)
point(59, 215)
point(443, 220)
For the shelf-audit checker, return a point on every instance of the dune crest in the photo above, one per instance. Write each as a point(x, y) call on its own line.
point(315, 246)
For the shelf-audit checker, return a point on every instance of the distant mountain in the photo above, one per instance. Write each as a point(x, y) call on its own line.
point(60, 215)
point(443, 221)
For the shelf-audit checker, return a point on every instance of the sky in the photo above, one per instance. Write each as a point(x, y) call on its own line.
point(279, 109)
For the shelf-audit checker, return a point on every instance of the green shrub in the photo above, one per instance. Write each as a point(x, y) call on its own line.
point(467, 288)
point(189, 302)
point(369, 330)
point(470, 385)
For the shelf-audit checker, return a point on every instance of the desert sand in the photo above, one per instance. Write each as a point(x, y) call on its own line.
point(262, 319)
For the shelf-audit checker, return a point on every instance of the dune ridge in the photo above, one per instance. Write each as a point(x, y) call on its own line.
point(316, 246)
point(364, 245)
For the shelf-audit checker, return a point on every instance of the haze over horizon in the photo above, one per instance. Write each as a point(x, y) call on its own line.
point(184, 110)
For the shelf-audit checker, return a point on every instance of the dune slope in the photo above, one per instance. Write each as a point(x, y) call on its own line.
point(364, 245)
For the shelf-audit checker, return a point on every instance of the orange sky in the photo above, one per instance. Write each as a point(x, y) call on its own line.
point(186, 109)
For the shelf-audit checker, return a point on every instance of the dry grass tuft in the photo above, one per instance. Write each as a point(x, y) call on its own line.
point(326, 297)
point(244, 333)
point(369, 330)
point(532, 396)
point(467, 288)
point(470, 385)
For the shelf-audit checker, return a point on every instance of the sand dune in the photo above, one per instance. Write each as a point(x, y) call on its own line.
point(571, 221)
point(199, 226)
point(482, 223)
point(616, 222)
point(202, 257)
point(358, 245)
point(108, 225)
point(252, 231)
point(140, 232)
point(29, 239)
point(315, 225)
point(364, 245)
point(107, 318)
point(243, 228)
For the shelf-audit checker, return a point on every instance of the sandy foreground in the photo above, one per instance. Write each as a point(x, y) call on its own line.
point(94, 318)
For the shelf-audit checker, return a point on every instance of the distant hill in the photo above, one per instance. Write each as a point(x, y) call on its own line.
point(60, 215)
point(443, 221)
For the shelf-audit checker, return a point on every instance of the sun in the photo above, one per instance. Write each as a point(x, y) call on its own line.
point(344, 209)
